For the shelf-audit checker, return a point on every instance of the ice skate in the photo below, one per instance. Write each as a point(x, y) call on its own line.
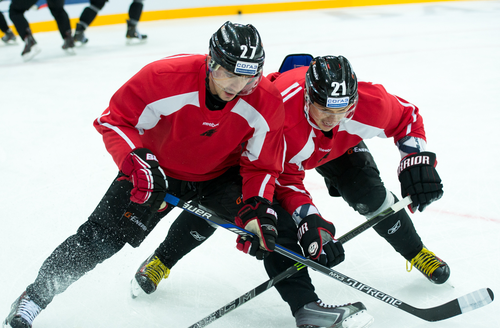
point(79, 37)
point(148, 276)
point(133, 35)
point(69, 43)
point(31, 49)
point(9, 37)
point(22, 313)
point(431, 266)
point(320, 315)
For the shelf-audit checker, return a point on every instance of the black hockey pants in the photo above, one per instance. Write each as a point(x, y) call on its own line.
point(56, 7)
point(117, 221)
point(356, 178)
point(90, 13)
point(189, 231)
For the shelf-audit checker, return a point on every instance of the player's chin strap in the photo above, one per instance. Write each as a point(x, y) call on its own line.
point(469, 302)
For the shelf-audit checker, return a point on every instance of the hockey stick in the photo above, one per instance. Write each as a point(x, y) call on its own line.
point(466, 303)
point(297, 266)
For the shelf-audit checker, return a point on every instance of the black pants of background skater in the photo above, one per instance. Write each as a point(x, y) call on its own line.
point(56, 7)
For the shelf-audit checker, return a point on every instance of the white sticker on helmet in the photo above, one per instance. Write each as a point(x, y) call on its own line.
point(337, 102)
point(246, 68)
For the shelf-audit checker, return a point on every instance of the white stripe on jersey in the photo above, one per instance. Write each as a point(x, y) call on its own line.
point(305, 152)
point(290, 92)
point(258, 123)
point(294, 188)
point(120, 133)
point(263, 186)
point(166, 106)
point(413, 114)
point(362, 130)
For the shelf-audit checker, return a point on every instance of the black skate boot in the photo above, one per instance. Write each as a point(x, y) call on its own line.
point(22, 313)
point(133, 35)
point(431, 266)
point(31, 49)
point(148, 276)
point(69, 43)
point(318, 314)
point(9, 37)
point(80, 38)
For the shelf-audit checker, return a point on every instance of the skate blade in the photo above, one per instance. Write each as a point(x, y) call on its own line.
point(70, 51)
point(35, 50)
point(135, 41)
point(10, 42)
point(359, 320)
point(79, 44)
point(135, 289)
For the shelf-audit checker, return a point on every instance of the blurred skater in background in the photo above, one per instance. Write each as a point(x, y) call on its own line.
point(90, 13)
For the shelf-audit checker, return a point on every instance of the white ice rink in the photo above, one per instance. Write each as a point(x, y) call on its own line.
point(443, 57)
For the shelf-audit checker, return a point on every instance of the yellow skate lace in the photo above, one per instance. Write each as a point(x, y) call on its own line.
point(156, 270)
point(425, 261)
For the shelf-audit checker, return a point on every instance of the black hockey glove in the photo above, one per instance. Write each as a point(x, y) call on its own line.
point(258, 217)
point(150, 183)
point(316, 236)
point(420, 180)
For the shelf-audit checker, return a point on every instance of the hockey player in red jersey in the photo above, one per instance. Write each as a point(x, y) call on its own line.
point(203, 127)
point(328, 115)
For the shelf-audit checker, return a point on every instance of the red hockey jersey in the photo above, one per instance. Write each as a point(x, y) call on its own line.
point(378, 114)
point(162, 108)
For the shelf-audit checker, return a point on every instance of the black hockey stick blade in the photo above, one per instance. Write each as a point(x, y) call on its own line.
point(463, 304)
point(445, 311)
point(297, 266)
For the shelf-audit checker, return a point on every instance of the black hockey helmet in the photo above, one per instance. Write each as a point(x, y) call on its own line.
point(331, 82)
point(238, 48)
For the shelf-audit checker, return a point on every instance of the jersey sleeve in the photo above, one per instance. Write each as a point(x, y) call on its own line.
point(262, 155)
point(407, 120)
point(290, 190)
point(117, 124)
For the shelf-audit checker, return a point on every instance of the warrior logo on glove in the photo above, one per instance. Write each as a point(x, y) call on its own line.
point(419, 179)
point(413, 160)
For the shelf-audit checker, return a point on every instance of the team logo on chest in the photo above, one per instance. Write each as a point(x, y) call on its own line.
point(324, 157)
point(208, 133)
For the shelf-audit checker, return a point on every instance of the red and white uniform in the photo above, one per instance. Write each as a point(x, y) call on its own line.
point(162, 108)
point(378, 114)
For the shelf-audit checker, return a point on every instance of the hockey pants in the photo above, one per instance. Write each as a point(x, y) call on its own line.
point(356, 178)
point(117, 221)
point(56, 7)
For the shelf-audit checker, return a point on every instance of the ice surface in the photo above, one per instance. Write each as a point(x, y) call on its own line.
point(443, 57)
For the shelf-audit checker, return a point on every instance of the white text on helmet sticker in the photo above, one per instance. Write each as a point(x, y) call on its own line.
point(246, 68)
point(337, 102)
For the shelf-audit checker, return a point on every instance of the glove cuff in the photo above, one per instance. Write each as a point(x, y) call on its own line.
point(137, 159)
